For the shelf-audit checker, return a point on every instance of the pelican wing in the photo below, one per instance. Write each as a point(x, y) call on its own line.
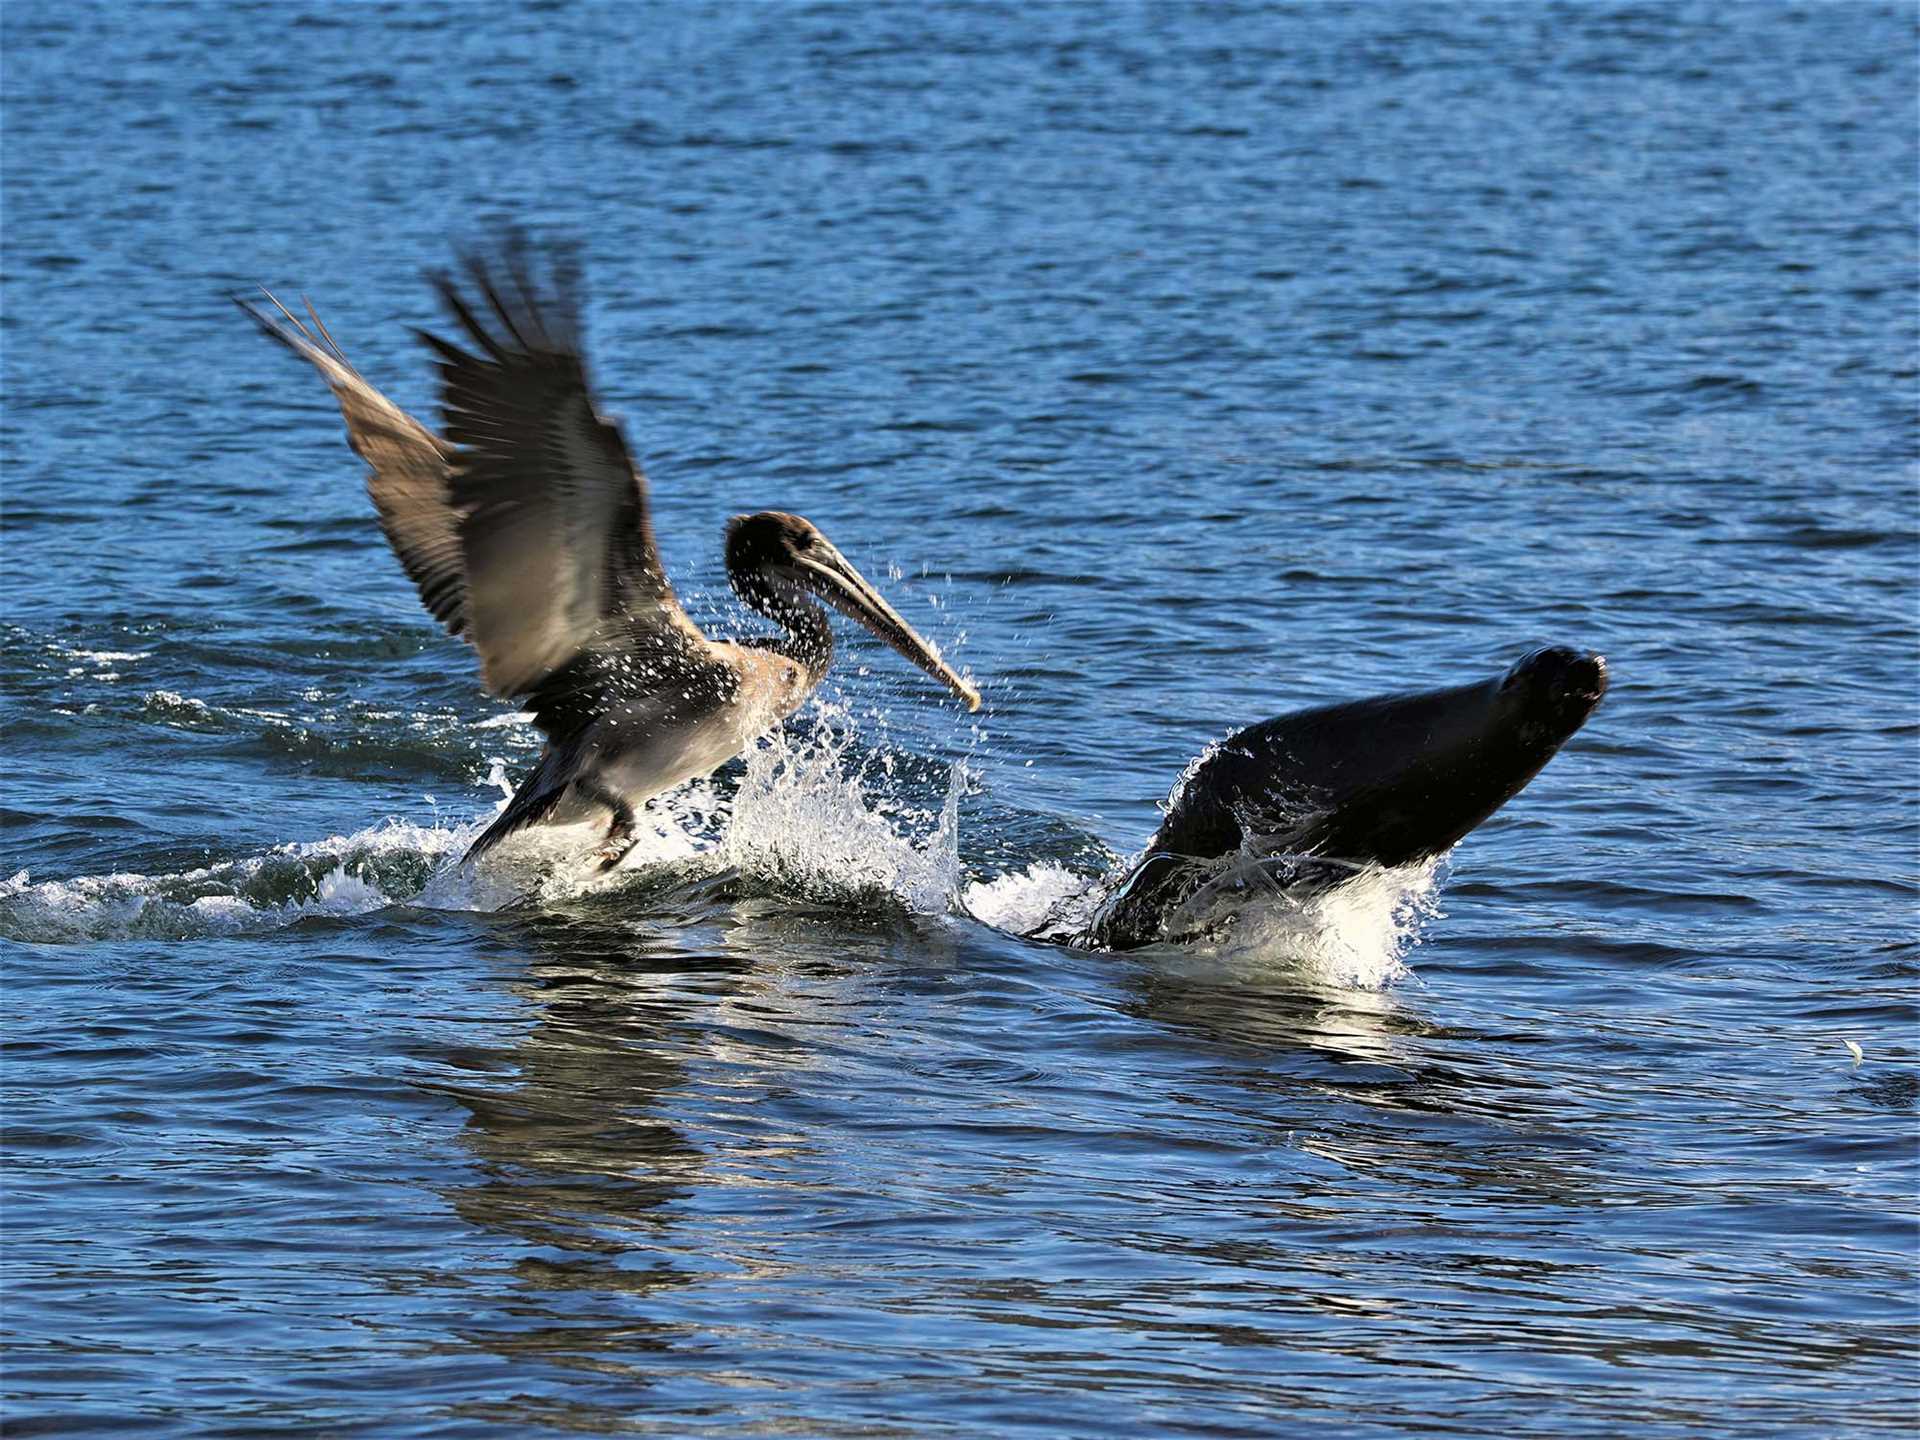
point(563, 577)
point(408, 465)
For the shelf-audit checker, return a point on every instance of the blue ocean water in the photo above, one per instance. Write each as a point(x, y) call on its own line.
point(1173, 367)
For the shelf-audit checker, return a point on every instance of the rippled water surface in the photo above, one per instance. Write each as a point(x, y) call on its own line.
point(1173, 367)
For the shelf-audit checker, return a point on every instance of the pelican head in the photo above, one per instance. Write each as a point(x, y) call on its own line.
point(776, 561)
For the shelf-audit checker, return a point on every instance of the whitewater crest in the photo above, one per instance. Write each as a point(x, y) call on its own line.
point(813, 814)
point(809, 812)
point(1355, 935)
point(344, 875)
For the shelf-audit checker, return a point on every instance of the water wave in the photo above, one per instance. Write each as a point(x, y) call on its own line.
point(342, 875)
point(815, 814)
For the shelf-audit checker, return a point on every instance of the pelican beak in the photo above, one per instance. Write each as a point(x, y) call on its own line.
point(831, 576)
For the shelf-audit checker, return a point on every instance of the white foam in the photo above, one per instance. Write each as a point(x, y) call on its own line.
point(1354, 936)
point(813, 815)
point(176, 708)
point(556, 863)
point(807, 818)
point(103, 660)
point(1022, 901)
point(343, 875)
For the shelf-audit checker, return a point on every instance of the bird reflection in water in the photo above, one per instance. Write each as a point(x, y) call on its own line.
point(664, 1011)
point(575, 1166)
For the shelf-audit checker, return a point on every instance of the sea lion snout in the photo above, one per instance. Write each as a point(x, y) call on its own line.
point(1570, 681)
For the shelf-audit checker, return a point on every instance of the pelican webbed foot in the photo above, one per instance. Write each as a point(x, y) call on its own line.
point(622, 833)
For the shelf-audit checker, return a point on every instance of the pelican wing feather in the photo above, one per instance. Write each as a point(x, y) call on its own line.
point(563, 578)
point(408, 466)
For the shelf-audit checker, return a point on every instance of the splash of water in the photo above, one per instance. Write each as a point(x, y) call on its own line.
point(1047, 896)
point(1355, 935)
point(814, 815)
point(814, 818)
point(1351, 936)
point(342, 875)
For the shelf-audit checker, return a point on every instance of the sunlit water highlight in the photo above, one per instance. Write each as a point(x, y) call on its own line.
point(1178, 366)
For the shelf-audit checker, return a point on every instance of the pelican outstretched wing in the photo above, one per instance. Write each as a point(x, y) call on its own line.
point(562, 573)
point(408, 465)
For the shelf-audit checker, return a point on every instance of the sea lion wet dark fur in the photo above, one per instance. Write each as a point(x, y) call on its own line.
point(1313, 797)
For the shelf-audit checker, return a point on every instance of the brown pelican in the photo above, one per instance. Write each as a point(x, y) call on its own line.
point(526, 530)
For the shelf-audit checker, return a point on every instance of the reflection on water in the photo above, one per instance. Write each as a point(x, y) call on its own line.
point(575, 1140)
point(576, 1165)
point(584, 1156)
point(1269, 1007)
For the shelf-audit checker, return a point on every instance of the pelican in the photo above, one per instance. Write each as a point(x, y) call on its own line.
point(526, 530)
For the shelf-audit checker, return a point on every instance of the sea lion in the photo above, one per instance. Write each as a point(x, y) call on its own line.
point(1311, 798)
